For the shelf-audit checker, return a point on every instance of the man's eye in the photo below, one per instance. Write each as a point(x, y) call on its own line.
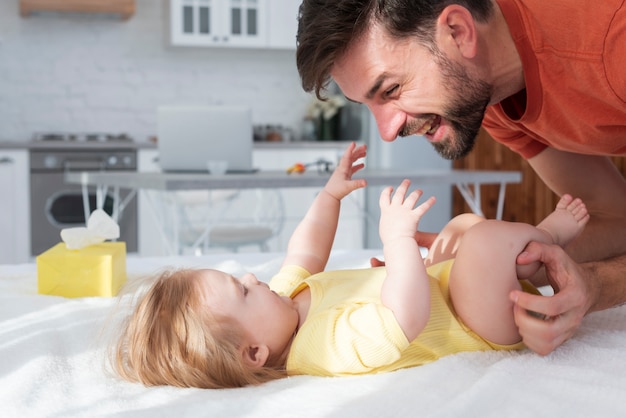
point(391, 91)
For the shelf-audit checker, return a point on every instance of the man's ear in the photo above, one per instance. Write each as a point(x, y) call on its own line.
point(255, 355)
point(456, 29)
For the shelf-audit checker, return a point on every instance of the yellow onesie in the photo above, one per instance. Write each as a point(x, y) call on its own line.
point(349, 331)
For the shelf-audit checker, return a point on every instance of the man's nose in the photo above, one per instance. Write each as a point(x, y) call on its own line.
point(388, 120)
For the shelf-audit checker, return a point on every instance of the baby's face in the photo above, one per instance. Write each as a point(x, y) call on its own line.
point(265, 317)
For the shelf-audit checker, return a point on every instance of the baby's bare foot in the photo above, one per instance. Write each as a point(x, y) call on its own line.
point(567, 221)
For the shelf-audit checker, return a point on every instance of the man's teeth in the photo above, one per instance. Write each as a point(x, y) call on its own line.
point(429, 127)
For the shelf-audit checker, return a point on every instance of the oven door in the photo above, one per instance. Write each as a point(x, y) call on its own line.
point(56, 205)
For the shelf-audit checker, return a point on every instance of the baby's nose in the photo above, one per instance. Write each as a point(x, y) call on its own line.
point(250, 278)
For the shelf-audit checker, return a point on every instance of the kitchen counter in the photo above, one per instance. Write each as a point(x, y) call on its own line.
point(302, 144)
point(280, 179)
point(59, 145)
point(468, 183)
point(150, 145)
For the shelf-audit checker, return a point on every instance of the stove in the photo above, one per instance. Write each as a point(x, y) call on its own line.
point(82, 137)
point(56, 205)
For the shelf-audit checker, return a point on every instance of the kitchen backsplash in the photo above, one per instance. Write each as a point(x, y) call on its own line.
point(72, 72)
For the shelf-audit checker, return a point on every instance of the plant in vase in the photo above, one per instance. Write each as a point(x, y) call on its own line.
point(326, 114)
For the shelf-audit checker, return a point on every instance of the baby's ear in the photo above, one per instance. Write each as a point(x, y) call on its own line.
point(255, 355)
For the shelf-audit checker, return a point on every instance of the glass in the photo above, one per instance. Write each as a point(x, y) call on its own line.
point(188, 19)
point(205, 19)
point(252, 22)
point(235, 21)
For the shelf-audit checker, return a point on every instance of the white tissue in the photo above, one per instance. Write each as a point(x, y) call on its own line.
point(100, 227)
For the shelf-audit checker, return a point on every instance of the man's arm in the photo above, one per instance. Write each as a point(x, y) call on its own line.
point(599, 282)
point(312, 240)
point(406, 290)
point(596, 180)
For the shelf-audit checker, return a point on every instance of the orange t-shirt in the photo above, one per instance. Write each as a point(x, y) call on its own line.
point(574, 58)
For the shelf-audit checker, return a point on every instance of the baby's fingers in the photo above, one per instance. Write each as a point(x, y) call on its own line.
point(425, 207)
point(413, 197)
point(359, 152)
point(357, 167)
point(385, 196)
point(353, 153)
point(400, 194)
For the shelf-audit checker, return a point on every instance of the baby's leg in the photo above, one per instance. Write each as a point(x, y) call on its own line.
point(444, 247)
point(485, 271)
point(562, 225)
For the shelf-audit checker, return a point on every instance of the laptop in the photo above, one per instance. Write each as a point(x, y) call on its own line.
point(190, 136)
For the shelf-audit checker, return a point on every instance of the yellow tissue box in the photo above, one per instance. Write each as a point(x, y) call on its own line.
point(97, 270)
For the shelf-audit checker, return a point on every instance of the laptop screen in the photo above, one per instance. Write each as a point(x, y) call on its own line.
point(190, 136)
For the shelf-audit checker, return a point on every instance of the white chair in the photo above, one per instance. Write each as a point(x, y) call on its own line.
point(229, 219)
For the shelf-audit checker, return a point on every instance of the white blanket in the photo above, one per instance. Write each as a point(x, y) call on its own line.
point(51, 365)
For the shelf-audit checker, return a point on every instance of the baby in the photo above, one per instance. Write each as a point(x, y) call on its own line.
point(208, 329)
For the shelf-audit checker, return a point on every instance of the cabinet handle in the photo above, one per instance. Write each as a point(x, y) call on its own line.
point(6, 160)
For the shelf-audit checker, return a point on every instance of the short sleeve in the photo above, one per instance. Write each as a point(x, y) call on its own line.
point(510, 136)
point(288, 279)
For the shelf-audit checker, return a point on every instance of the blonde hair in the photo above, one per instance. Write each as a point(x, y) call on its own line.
point(170, 338)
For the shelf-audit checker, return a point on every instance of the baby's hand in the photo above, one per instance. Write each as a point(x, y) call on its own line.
point(399, 218)
point(341, 183)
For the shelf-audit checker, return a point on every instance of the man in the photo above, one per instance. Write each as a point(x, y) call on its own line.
point(545, 78)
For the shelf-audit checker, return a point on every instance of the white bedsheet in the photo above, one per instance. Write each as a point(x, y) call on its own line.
point(51, 364)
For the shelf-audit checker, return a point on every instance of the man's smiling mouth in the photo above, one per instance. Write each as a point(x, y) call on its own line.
point(428, 127)
point(431, 125)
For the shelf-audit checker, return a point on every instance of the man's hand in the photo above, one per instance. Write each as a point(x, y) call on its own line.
point(564, 311)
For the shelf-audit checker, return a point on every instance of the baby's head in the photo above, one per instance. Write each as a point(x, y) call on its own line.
point(174, 337)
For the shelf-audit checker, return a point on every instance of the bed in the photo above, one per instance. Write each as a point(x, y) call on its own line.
point(51, 364)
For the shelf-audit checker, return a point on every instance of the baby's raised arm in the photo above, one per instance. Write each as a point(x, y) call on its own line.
point(311, 242)
point(406, 290)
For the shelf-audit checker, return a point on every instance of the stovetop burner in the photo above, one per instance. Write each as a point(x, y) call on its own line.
point(82, 137)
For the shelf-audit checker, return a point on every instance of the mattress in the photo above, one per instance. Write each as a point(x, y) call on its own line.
point(52, 365)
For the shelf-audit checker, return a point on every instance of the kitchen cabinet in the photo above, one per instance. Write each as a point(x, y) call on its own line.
point(234, 23)
point(124, 8)
point(14, 207)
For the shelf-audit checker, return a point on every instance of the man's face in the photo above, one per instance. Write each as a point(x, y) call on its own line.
point(413, 91)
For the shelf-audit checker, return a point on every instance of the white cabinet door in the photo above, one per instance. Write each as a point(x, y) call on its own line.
point(245, 23)
point(219, 23)
point(194, 22)
point(14, 207)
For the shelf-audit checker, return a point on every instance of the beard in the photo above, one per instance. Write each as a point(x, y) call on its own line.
point(468, 98)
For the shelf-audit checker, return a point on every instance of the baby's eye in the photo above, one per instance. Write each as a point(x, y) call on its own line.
point(244, 289)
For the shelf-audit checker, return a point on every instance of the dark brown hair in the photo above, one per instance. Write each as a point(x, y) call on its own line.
point(326, 28)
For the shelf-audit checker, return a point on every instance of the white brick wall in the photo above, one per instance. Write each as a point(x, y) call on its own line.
point(82, 72)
